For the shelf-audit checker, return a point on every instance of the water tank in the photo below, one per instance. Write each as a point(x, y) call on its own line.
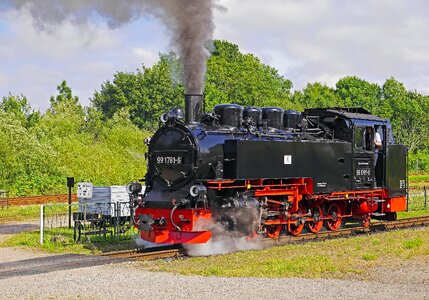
point(291, 119)
point(229, 114)
point(253, 113)
point(274, 116)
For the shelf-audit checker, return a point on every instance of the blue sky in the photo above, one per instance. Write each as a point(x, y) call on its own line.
point(306, 40)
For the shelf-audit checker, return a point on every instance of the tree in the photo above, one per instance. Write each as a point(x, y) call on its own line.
point(65, 116)
point(231, 77)
point(407, 110)
point(65, 95)
point(242, 79)
point(356, 92)
point(25, 162)
point(146, 94)
point(21, 109)
point(316, 95)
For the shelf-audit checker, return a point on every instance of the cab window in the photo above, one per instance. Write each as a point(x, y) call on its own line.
point(359, 137)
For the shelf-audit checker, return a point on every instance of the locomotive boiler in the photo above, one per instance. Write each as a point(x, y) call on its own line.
point(266, 171)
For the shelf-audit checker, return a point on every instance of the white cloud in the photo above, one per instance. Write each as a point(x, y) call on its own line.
point(4, 80)
point(146, 56)
point(325, 40)
point(85, 56)
point(307, 41)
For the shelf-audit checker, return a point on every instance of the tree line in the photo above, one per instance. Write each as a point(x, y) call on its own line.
point(38, 151)
point(234, 77)
point(103, 143)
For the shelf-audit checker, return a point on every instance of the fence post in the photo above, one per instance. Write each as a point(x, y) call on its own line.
point(117, 213)
point(42, 223)
point(426, 198)
point(4, 199)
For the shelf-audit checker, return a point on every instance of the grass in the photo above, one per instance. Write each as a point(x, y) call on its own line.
point(31, 212)
point(417, 182)
point(412, 214)
point(341, 258)
point(60, 240)
point(19, 213)
point(412, 243)
point(31, 240)
point(416, 199)
point(419, 177)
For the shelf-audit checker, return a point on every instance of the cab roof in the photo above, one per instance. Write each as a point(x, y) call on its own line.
point(354, 114)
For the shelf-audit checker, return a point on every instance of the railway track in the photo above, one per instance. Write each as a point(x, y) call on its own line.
point(30, 200)
point(177, 251)
point(148, 254)
point(374, 227)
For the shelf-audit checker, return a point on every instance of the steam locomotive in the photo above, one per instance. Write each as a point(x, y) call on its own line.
point(266, 171)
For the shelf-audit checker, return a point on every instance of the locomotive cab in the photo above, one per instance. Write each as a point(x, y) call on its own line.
point(368, 158)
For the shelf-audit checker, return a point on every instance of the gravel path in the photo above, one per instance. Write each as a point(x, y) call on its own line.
point(107, 280)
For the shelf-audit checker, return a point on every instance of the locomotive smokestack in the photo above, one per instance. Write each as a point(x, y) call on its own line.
point(193, 108)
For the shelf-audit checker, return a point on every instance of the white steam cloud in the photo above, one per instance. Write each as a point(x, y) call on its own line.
point(141, 243)
point(222, 241)
point(190, 23)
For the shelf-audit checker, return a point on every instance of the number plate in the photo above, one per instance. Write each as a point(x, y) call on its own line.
point(169, 160)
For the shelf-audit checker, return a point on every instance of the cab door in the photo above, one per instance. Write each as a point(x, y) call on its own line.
point(380, 163)
point(363, 158)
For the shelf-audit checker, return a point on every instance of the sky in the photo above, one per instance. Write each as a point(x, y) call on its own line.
point(305, 40)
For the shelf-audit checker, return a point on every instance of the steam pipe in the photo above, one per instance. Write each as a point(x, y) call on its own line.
point(193, 108)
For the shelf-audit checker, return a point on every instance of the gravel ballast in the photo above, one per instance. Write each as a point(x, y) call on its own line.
point(106, 280)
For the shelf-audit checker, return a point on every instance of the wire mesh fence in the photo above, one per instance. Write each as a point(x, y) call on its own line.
point(418, 198)
point(85, 223)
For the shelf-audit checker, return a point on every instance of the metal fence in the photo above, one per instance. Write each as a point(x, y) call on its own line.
point(85, 223)
point(418, 198)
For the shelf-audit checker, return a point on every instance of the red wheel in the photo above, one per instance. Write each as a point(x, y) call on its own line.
point(297, 227)
point(316, 225)
point(334, 211)
point(273, 231)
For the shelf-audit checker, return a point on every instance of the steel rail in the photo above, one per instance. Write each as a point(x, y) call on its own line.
point(374, 227)
point(147, 254)
point(177, 251)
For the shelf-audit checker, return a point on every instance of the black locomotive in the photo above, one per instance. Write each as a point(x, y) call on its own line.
point(267, 171)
